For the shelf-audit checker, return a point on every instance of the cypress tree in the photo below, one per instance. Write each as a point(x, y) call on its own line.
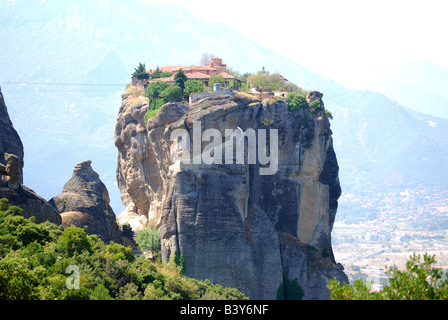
point(180, 78)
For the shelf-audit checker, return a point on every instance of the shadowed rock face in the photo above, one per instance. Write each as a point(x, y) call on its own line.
point(32, 204)
point(233, 225)
point(9, 138)
point(84, 202)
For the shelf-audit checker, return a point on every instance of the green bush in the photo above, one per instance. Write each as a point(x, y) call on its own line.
point(172, 94)
point(149, 240)
point(419, 281)
point(315, 106)
point(17, 280)
point(159, 93)
point(73, 240)
point(153, 108)
point(296, 102)
point(24, 230)
point(260, 81)
point(117, 251)
point(154, 89)
point(290, 290)
point(193, 86)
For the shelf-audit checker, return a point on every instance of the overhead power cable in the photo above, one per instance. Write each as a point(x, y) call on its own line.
point(62, 90)
point(24, 83)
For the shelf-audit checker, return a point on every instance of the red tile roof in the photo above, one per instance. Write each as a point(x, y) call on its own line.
point(227, 75)
point(197, 75)
point(194, 72)
point(167, 79)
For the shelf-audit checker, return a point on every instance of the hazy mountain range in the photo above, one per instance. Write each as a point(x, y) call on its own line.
point(420, 85)
point(380, 144)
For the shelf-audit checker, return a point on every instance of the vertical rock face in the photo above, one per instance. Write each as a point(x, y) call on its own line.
point(234, 225)
point(84, 202)
point(9, 138)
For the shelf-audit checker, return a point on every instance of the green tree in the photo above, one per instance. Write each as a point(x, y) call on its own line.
point(180, 78)
point(295, 101)
point(419, 281)
point(148, 239)
point(193, 86)
point(140, 72)
point(260, 81)
point(24, 230)
point(17, 280)
point(130, 292)
point(276, 81)
point(215, 78)
point(154, 89)
point(172, 94)
point(73, 240)
point(100, 293)
point(117, 251)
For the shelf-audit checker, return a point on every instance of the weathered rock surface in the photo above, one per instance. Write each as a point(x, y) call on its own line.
point(233, 225)
point(31, 203)
point(12, 172)
point(84, 203)
point(9, 138)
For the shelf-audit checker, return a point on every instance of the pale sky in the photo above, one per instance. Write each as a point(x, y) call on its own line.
point(349, 41)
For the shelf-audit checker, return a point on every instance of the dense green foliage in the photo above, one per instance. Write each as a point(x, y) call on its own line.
point(179, 79)
point(153, 108)
point(154, 89)
point(140, 72)
point(149, 240)
point(159, 93)
point(420, 281)
point(193, 86)
point(43, 261)
point(172, 94)
point(296, 101)
point(290, 290)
